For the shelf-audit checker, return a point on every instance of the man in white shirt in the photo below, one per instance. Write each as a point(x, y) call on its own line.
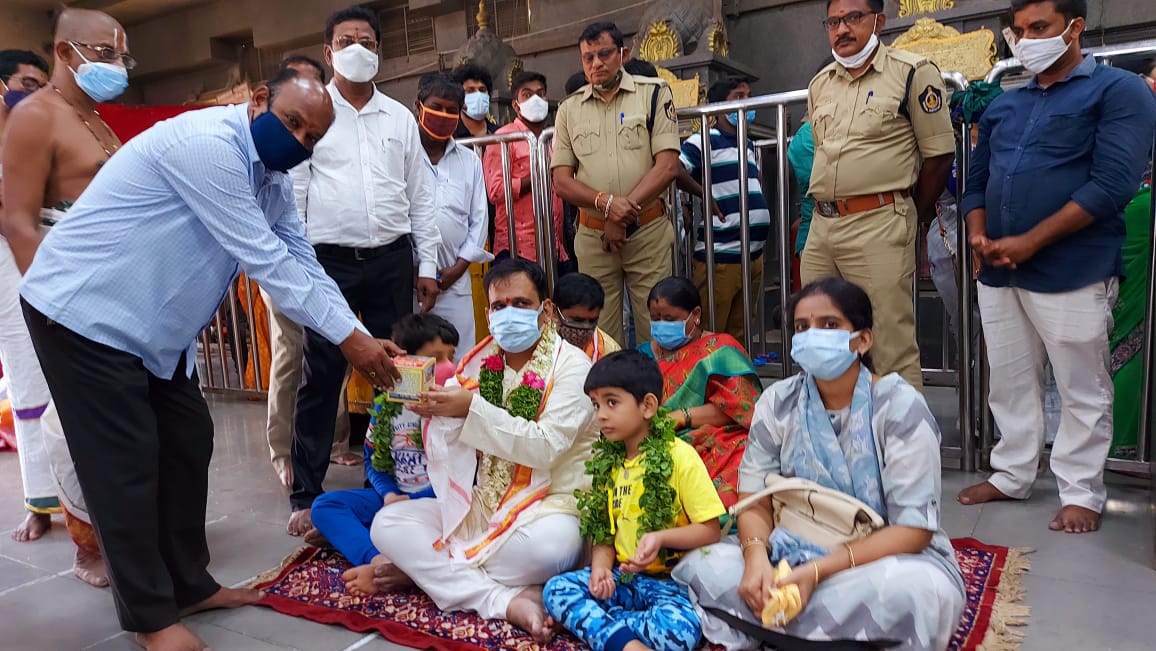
point(459, 199)
point(364, 195)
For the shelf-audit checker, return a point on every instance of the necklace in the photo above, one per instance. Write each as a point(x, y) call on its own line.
point(87, 124)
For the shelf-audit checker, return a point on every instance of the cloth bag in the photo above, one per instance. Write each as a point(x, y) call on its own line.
point(823, 516)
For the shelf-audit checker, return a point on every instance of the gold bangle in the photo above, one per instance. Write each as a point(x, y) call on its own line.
point(816, 564)
point(751, 542)
point(850, 554)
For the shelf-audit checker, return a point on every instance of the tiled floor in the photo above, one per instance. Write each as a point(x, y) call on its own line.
point(1087, 592)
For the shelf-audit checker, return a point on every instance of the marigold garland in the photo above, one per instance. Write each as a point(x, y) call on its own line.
point(658, 502)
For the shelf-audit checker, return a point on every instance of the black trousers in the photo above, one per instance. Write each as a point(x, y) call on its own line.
point(380, 290)
point(141, 445)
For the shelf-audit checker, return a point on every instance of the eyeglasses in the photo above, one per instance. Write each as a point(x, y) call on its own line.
point(345, 41)
point(29, 84)
point(108, 54)
point(604, 55)
point(850, 20)
point(575, 323)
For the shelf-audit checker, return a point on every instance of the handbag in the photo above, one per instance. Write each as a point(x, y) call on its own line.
point(821, 515)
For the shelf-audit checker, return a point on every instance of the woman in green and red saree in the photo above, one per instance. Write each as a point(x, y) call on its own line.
point(710, 384)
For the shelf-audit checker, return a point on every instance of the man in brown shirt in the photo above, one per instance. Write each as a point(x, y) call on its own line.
point(883, 150)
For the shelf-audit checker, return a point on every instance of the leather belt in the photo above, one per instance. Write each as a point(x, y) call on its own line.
point(336, 251)
point(855, 205)
point(590, 219)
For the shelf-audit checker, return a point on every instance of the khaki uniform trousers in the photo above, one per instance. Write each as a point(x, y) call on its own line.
point(728, 295)
point(875, 250)
point(286, 348)
point(646, 259)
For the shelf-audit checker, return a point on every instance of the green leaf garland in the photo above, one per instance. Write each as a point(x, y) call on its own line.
point(384, 412)
point(659, 501)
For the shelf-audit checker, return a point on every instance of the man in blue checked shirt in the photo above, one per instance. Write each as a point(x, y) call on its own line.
point(115, 299)
point(1056, 162)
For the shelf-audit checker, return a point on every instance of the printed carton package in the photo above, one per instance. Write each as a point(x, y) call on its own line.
point(417, 375)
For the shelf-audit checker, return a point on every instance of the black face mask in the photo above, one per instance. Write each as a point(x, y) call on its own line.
point(612, 83)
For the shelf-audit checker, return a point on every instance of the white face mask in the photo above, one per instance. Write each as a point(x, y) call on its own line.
point(1038, 54)
point(356, 63)
point(535, 109)
point(860, 58)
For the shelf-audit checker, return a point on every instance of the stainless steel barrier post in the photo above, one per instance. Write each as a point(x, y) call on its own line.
point(507, 177)
point(707, 224)
point(207, 353)
point(782, 210)
point(238, 349)
point(965, 373)
point(544, 207)
point(744, 226)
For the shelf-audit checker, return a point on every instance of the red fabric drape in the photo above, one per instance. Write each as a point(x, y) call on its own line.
point(129, 121)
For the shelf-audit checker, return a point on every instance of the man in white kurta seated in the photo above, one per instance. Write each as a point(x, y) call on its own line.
point(517, 418)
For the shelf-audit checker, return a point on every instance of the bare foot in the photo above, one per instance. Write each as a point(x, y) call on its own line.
point(981, 493)
point(172, 638)
point(315, 538)
point(527, 613)
point(89, 567)
point(360, 582)
point(1075, 519)
point(34, 526)
point(225, 598)
point(300, 523)
point(347, 459)
point(389, 577)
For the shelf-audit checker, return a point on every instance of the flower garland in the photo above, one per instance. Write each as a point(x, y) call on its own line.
point(384, 412)
point(523, 401)
point(659, 501)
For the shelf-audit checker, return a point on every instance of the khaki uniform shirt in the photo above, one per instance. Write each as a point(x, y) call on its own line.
point(864, 144)
point(607, 142)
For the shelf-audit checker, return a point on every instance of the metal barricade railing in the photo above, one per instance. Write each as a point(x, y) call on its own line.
point(230, 345)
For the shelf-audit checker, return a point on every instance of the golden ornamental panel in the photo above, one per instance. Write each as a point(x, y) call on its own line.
point(915, 7)
point(972, 54)
point(660, 43)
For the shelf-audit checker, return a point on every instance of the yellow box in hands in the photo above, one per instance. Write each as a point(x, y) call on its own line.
point(417, 376)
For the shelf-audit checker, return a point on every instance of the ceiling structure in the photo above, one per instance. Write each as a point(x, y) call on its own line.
point(126, 11)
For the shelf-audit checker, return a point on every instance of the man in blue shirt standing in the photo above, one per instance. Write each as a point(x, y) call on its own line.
point(115, 299)
point(1056, 162)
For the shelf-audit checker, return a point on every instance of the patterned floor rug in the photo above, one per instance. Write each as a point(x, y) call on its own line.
point(308, 584)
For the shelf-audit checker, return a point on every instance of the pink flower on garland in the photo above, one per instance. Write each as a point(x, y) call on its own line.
point(494, 363)
point(534, 381)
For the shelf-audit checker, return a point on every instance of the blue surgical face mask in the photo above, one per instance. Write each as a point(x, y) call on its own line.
point(278, 148)
point(103, 82)
point(477, 105)
point(733, 118)
point(671, 335)
point(515, 329)
point(825, 354)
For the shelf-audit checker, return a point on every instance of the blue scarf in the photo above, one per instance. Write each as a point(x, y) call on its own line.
point(815, 453)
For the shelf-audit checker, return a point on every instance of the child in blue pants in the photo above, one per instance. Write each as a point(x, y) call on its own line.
point(343, 517)
point(651, 499)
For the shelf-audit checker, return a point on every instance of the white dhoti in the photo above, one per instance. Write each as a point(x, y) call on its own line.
point(45, 464)
point(406, 533)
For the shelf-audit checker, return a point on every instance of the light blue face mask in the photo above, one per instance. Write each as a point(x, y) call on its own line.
point(671, 335)
point(733, 118)
point(825, 354)
point(477, 105)
point(103, 82)
point(515, 329)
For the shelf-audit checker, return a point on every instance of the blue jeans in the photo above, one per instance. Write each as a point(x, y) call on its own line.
point(654, 610)
point(343, 517)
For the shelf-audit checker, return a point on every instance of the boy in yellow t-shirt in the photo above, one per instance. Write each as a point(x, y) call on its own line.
point(651, 500)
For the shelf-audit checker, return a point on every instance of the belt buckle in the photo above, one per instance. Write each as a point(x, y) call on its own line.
point(360, 255)
point(827, 208)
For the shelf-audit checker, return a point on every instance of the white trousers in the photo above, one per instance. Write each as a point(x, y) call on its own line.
point(458, 309)
point(406, 532)
point(1023, 330)
point(27, 390)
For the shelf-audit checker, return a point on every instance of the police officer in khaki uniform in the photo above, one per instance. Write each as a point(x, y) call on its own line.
point(615, 154)
point(883, 151)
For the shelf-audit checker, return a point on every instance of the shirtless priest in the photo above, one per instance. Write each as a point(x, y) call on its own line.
point(518, 401)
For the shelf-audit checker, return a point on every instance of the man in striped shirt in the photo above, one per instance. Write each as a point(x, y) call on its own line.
point(726, 224)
